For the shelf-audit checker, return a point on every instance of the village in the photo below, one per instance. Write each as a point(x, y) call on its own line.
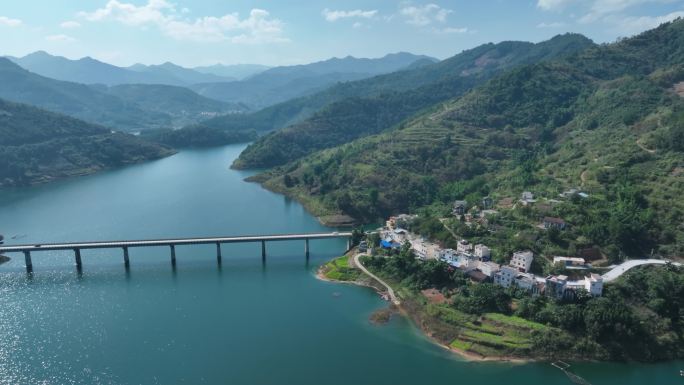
point(475, 260)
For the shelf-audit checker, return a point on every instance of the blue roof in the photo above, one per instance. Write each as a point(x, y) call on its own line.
point(389, 244)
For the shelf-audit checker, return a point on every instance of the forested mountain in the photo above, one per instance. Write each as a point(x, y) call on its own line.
point(183, 105)
point(377, 104)
point(90, 71)
point(606, 119)
point(279, 84)
point(38, 146)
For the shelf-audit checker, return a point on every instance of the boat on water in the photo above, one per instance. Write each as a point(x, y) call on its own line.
point(2, 239)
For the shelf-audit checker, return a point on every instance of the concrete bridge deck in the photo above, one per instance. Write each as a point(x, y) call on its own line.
point(27, 249)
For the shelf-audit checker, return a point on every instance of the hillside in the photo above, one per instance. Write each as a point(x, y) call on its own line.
point(38, 146)
point(605, 120)
point(415, 88)
point(279, 84)
point(378, 107)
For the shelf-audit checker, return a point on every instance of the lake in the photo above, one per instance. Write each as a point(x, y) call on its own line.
point(243, 323)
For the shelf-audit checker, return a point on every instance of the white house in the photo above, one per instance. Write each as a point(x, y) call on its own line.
point(505, 276)
point(488, 268)
point(568, 261)
point(464, 246)
point(482, 252)
point(522, 260)
point(594, 284)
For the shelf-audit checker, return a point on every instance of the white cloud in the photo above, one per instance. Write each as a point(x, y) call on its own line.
point(452, 30)
point(8, 22)
point(552, 5)
point(555, 24)
point(633, 25)
point(61, 38)
point(258, 27)
point(70, 24)
point(331, 15)
point(425, 15)
point(602, 8)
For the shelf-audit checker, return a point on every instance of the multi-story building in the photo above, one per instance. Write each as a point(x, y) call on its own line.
point(522, 260)
point(482, 252)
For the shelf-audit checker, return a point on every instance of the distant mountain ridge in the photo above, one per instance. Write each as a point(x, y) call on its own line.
point(279, 84)
point(91, 71)
point(185, 75)
point(237, 71)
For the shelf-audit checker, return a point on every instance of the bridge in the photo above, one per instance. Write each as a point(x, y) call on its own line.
point(171, 243)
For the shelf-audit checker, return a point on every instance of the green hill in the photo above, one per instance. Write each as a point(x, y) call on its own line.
point(38, 146)
point(386, 101)
point(606, 120)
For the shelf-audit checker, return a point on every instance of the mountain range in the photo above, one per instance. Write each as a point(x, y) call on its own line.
point(282, 83)
point(126, 108)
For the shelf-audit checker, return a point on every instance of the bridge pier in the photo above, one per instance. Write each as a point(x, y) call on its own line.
point(263, 251)
point(173, 255)
point(127, 262)
point(306, 248)
point(29, 264)
point(218, 252)
point(349, 244)
point(77, 254)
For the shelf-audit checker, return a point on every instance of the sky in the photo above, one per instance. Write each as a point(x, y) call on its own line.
point(279, 32)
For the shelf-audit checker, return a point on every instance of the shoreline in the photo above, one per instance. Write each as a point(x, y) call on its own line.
point(466, 355)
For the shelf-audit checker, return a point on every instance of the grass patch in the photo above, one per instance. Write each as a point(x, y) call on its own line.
point(514, 321)
point(461, 345)
point(339, 270)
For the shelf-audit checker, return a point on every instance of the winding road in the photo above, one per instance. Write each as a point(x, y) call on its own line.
point(390, 291)
point(622, 268)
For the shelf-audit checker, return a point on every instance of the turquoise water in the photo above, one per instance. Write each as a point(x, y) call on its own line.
point(242, 324)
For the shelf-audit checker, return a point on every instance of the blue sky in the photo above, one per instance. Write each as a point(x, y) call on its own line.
point(202, 32)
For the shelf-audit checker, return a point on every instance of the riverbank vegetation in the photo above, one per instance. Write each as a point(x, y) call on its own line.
point(640, 316)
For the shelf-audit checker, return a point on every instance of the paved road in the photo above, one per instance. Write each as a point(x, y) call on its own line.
point(164, 242)
point(622, 268)
point(393, 297)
